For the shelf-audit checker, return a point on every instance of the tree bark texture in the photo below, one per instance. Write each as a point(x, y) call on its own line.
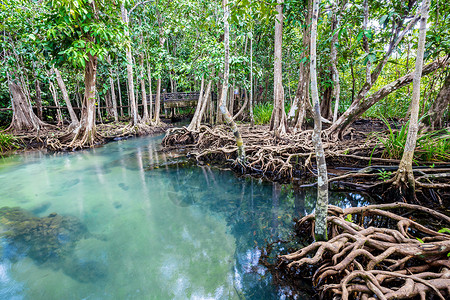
point(23, 115)
point(223, 107)
point(440, 105)
point(85, 133)
point(113, 92)
point(405, 172)
point(131, 96)
point(320, 230)
point(62, 86)
point(144, 94)
point(278, 120)
point(301, 98)
point(335, 71)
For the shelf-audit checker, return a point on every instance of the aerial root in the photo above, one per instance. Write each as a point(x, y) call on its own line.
point(376, 253)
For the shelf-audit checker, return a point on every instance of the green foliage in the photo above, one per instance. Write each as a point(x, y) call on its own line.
point(394, 142)
point(348, 218)
point(444, 230)
point(8, 142)
point(262, 113)
point(430, 146)
point(384, 175)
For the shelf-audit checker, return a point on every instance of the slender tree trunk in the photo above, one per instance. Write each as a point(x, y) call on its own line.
point(440, 105)
point(38, 99)
point(278, 120)
point(52, 89)
point(335, 71)
point(158, 101)
point(404, 177)
point(320, 228)
point(226, 72)
point(250, 105)
point(345, 120)
point(193, 125)
point(149, 75)
point(301, 99)
point(146, 118)
point(131, 96)
point(120, 94)
point(62, 87)
point(365, 40)
point(203, 100)
point(243, 107)
point(113, 92)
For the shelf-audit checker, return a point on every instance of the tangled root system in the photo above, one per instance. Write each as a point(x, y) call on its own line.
point(376, 252)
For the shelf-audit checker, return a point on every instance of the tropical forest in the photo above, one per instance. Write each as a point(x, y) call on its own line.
point(225, 149)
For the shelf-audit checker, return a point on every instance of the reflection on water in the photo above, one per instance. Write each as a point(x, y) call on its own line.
point(154, 232)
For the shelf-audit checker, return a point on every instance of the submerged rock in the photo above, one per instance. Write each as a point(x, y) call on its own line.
point(51, 240)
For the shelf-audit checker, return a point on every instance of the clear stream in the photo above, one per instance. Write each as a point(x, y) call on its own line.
point(154, 232)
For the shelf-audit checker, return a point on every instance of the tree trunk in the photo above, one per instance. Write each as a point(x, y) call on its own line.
point(320, 231)
point(62, 87)
point(52, 89)
point(131, 96)
point(404, 177)
point(146, 118)
point(223, 106)
point(38, 99)
point(113, 92)
point(365, 40)
point(23, 118)
point(278, 120)
point(250, 105)
point(301, 98)
point(85, 133)
point(120, 94)
point(244, 106)
point(158, 101)
point(341, 125)
point(149, 75)
point(193, 125)
point(335, 71)
point(440, 105)
point(356, 109)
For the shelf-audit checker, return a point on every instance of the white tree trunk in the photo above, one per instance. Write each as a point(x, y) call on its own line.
point(320, 230)
point(405, 174)
point(62, 86)
point(131, 96)
point(226, 72)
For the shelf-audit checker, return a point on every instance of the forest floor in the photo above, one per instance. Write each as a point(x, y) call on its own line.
point(25, 140)
point(358, 162)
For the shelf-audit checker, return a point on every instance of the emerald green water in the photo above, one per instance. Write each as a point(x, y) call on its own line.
point(154, 233)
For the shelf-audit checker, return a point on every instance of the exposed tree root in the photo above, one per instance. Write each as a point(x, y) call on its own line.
point(292, 156)
point(375, 253)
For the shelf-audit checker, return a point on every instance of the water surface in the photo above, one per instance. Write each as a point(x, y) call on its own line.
point(153, 232)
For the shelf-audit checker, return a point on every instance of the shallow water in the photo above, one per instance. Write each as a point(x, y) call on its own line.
point(154, 232)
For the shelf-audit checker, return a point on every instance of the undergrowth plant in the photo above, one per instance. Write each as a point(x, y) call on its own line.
point(430, 146)
point(8, 142)
point(262, 113)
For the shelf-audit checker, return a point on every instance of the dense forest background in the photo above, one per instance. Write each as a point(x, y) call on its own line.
point(175, 43)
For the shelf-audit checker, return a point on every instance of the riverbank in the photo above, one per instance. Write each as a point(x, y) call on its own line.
point(48, 138)
point(360, 161)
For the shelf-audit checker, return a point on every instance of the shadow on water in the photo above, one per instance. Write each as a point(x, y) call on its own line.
point(172, 230)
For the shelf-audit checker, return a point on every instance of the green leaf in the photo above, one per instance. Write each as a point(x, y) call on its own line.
point(348, 218)
point(444, 230)
point(419, 240)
